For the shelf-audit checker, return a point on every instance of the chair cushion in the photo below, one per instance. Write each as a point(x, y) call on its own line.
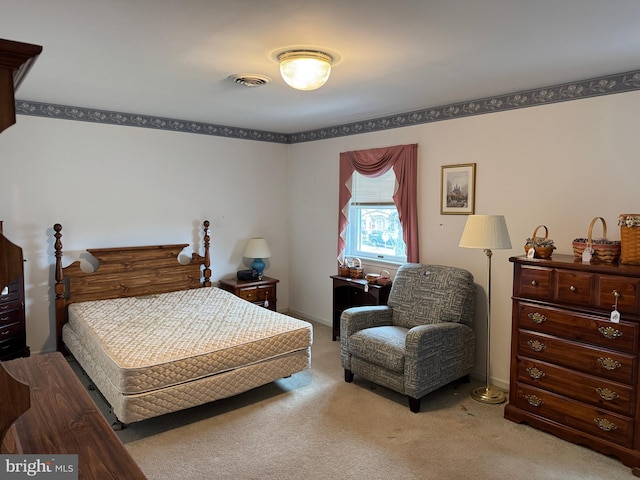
point(383, 346)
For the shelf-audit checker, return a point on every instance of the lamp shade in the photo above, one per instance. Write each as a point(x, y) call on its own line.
point(305, 70)
point(485, 231)
point(257, 248)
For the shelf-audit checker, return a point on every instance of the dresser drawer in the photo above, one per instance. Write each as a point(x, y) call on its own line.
point(11, 346)
point(625, 289)
point(578, 386)
point(11, 317)
point(597, 422)
point(266, 293)
point(248, 293)
point(576, 326)
point(11, 294)
point(617, 366)
point(11, 329)
point(9, 306)
point(535, 282)
point(574, 287)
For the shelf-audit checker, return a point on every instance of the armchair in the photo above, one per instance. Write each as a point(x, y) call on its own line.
point(421, 340)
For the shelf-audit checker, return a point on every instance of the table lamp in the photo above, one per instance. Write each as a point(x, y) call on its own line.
point(488, 232)
point(257, 249)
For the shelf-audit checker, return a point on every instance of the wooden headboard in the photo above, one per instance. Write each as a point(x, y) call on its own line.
point(127, 272)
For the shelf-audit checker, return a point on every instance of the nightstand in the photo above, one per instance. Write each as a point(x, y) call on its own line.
point(260, 292)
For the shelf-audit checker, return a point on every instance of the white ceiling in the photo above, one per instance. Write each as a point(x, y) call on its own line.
point(171, 58)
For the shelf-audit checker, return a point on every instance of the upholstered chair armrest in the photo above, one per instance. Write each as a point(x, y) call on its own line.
point(437, 354)
point(358, 318)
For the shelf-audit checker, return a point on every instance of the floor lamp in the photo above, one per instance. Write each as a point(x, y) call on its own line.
point(488, 232)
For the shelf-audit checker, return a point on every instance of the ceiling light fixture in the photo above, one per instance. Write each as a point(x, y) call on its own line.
point(305, 69)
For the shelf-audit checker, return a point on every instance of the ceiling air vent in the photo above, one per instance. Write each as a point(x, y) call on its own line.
point(250, 79)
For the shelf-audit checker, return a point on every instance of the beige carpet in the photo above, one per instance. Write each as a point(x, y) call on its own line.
point(313, 425)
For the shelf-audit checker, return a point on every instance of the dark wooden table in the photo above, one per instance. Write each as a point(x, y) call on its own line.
point(355, 292)
point(62, 419)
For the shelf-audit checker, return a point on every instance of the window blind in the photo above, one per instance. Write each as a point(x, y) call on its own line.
point(373, 190)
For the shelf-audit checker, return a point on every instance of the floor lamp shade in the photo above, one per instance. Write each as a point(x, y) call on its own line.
point(487, 232)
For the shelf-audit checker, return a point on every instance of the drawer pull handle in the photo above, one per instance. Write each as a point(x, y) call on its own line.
point(536, 345)
point(4, 307)
point(537, 317)
point(534, 283)
point(616, 294)
point(4, 319)
point(534, 400)
point(609, 363)
point(604, 424)
point(607, 394)
point(6, 332)
point(610, 332)
point(572, 288)
point(535, 373)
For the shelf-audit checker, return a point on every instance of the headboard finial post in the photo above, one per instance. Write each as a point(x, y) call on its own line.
point(58, 247)
point(207, 255)
point(59, 289)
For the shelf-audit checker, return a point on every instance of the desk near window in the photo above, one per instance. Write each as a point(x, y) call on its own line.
point(354, 292)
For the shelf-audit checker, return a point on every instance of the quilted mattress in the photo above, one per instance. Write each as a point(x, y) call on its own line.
point(140, 346)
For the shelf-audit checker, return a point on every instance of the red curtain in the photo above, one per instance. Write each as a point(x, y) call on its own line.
point(373, 163)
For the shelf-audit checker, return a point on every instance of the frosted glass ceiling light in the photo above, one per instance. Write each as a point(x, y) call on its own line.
point(305, 69)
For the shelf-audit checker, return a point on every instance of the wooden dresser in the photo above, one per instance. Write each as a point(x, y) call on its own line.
point(13, 335)
point(574, 372)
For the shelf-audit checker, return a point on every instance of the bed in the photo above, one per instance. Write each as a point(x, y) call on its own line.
point(156, 337)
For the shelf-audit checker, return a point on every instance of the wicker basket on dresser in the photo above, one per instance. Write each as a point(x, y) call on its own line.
point(574, 372)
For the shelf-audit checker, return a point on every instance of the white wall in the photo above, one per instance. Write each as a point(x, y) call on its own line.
point(115, 186)
point(559, 165)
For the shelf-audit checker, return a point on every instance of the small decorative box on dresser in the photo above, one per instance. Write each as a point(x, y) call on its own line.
point(574, 372)
point(354, 292)
point(261, 292)
point(13, 336)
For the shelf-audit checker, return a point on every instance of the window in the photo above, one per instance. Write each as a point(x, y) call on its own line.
point(403, 159)
point(374, 230)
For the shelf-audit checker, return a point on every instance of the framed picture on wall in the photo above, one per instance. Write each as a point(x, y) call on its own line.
point(458, 189)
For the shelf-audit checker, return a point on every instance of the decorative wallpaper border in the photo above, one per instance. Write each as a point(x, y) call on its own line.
point(93, 115)
point(611, 84)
